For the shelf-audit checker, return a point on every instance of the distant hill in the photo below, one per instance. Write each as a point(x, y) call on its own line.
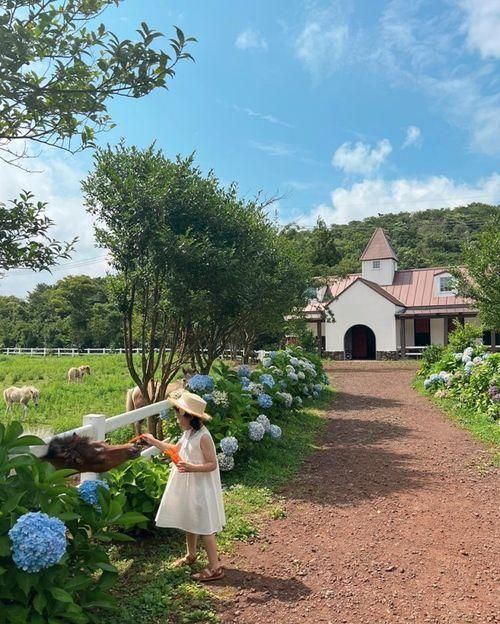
point(421, 239)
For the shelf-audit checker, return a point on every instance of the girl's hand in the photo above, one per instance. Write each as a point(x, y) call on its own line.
point(183, 466)
point(149, 439)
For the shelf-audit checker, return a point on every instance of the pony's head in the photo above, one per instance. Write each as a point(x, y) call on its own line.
point(85, 369)
point(35, 394)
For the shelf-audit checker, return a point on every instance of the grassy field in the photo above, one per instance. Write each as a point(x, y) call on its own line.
point(62, 404)
point(149, 590)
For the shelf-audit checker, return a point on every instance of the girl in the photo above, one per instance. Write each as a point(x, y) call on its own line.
point(192, 500)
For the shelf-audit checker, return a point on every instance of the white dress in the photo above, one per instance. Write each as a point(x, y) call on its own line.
point(192, 501)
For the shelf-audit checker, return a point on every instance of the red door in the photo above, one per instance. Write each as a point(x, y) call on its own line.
point(359, 343)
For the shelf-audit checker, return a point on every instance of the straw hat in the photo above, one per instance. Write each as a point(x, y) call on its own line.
point(190, 403)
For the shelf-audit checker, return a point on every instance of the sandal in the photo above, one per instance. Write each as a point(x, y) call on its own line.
point(207, 575)
point(187, 560)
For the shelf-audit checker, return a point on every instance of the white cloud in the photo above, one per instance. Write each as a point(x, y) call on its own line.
point(321, 46)
point(270, 118)
point(57, 183)
point(413, 137)
point(250, 38)
point(482, 25)
point(372, 197)
point(361, 157)
point(429, 55)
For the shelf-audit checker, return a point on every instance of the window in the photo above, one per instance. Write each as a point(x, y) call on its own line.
point(376, 264)
point(422, 332)
point(445, 284)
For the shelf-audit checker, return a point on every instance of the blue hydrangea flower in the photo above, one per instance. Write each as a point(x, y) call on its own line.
point(201, 383)
point(264, 421)
point(275, 432)
point(229, 445)
point(255, 388)
point(286, 398)
point(267, 362)
point(245, 383)
point(88, 491)
point(466, 358)
point(165, 414)
point(294, 361)
point(267, 380)
point(264, 401)
point(469, 351)
point(38, 541)
point(244, 370)
point(255, 431)
point(273, 355)
point(427, 383)
point(293, 376)
point(207, 397)
point(226, 462)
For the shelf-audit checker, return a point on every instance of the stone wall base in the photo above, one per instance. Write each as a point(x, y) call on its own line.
point(381, 355)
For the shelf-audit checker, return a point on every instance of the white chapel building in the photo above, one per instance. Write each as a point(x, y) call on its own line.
point(384, 312)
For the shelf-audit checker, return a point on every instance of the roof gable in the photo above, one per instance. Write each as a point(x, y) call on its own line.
point(378, 289)
point(379, 247)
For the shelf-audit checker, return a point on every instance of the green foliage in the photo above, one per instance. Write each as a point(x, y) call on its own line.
point(77, 587)
point(463, 336)
point(481, 279)
point(24, 238)
point(64, 66)
point(427, 238)
point(431, 355)
point(141, 482)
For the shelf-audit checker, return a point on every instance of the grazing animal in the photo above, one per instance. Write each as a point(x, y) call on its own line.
point(77, 374)
point(22, 396)
point(82, 454)
point(135, 400)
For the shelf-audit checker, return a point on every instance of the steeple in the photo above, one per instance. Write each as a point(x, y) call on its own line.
point(379, 260)
point(379, 247)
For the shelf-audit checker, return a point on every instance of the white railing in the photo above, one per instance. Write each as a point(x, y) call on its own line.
point(73, 351)
point(413, 351)
point(96, 426)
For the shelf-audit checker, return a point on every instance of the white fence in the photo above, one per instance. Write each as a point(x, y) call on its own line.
point(96, 426)
point(228, 354)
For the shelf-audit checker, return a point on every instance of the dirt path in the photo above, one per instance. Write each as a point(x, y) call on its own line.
point(390, 521)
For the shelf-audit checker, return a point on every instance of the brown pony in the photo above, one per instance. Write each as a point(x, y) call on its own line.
point(82, 454)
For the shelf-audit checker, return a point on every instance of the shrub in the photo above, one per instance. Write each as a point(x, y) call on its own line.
point(35, 503)
point(141, 483)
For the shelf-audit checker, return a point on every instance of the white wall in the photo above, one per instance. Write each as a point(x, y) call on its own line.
point(437, 330)
point(383, 276)
point(361, 305)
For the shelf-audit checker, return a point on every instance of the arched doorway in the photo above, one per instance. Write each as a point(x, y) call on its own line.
point(359, 343)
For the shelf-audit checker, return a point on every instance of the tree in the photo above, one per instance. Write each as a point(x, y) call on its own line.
point(324, 252)
point(481, 279)
point(59, 69)
point(24, 239)
point(132, 194)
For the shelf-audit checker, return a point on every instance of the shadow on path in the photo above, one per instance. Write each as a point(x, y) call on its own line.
point(264, 587)
point(357, 402)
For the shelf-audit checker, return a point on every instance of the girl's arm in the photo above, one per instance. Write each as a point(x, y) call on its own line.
point(210, 464)
point(160, 444)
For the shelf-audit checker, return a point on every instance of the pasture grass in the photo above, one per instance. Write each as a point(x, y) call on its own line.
point(62, 404)
point(481, 427)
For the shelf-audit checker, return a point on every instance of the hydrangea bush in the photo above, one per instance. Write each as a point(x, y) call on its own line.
point(464, 372)
point(51, 541)
point(262, 395)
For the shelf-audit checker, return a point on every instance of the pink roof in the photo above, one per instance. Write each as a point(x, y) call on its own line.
point(379, 247)
point(411, 287)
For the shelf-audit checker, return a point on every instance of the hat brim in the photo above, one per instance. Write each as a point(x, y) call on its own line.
point(180, 403)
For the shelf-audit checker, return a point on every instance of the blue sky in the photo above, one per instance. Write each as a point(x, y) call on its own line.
point(342, 109)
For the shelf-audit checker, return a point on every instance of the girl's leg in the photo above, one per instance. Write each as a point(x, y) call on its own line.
point(191, 542)
point(210, 544)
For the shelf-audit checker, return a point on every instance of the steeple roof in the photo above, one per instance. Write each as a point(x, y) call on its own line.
point(379, 247)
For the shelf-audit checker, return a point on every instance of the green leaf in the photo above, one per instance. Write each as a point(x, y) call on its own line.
point(130, 518)
point(27, 440)
point(4, 546)
point(40, 602)
point(60, 595)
